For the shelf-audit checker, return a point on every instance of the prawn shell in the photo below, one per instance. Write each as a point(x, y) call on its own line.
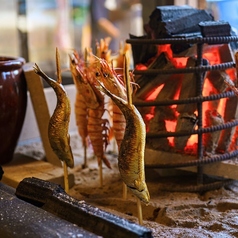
point(82, 86)
point(119, 125)
point(98, 131)
point(81, 117)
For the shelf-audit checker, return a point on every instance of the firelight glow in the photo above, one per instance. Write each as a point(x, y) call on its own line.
point(212, 54)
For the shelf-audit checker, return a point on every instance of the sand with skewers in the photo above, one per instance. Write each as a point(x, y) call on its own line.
point(170, 214)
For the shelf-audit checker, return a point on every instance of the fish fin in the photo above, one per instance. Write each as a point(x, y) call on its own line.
point(139, 185)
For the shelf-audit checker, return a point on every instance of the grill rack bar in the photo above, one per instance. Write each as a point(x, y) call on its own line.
point(197, 69)
point(199, 131)
point(192, 40)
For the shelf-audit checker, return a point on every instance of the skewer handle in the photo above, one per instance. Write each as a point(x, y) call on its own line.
point(66, 178)
point(139, 212)
point(124, 191)
point(100, 173)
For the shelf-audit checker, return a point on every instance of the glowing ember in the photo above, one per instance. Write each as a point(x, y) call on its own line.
point(212, 55)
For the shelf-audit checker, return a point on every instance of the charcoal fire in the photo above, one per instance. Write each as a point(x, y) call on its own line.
point(185, 82)
point(186, 122)
point(231, 113)
point(218, 79)
point(157, 124)
point(147, 83)
point(212, 118)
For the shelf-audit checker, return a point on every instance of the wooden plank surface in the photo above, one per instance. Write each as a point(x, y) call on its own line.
point(23, 166)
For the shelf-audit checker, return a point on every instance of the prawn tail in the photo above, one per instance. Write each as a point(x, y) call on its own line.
point(105, 161)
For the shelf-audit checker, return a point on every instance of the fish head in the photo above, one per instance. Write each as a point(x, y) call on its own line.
point(141, 191)
point(69, 159)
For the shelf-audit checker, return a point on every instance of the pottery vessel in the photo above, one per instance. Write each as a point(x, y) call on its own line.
point(13, 101)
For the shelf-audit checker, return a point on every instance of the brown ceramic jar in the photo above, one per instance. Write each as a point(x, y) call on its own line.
point(13, 100)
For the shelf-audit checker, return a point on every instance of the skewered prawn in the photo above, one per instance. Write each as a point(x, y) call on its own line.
point(102, 49)
point(105, 74)
point(112, 80)
point(81, 117)
point(81, 82)
point(96, 127)
point(80, 104)
point(122, 51)
point(85, 98)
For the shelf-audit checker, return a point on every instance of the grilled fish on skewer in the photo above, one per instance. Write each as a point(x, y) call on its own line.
point(131, 153)
point(59, 121)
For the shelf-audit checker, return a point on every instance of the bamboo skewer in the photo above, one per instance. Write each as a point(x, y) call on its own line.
point(100, 163)
point(124, 191)
point(66, 178)
point(139, 212)
point(85, 165)
point(100, 173)
point(129, 99)
point(59, 80)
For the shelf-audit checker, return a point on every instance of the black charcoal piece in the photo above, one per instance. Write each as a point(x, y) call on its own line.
point(90, 218)
point(215, 28)
point(178, 48)
point(20, 219)
point(142, 52)
point(185, 24)
point(165, 13)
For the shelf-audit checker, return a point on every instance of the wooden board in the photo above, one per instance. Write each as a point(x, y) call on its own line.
point(23, 166)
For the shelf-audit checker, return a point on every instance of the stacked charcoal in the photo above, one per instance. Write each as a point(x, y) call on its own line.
point(177, 21)
point(170, 21)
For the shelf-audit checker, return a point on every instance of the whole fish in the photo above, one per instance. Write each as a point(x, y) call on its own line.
point(131, 153)
point(59, 121)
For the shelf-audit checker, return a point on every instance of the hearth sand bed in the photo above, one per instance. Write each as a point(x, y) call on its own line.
point(211, 213)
